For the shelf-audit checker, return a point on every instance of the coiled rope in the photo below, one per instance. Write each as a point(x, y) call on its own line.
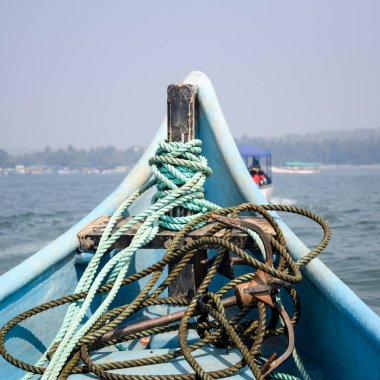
point(75, 342)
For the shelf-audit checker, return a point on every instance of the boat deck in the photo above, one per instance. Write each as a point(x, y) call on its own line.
point(210, 358)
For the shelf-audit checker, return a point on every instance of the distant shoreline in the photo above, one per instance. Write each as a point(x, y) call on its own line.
point(46, 170)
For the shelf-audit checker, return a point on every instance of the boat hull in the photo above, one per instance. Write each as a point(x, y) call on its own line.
point(337, 333)
point(267, 191)
point(276, 169)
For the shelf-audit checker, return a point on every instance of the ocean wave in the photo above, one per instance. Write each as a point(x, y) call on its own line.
point(282, 201)
point(16, 253)
point(32, 214)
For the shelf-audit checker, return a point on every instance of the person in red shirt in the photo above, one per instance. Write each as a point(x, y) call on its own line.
point(258, 175)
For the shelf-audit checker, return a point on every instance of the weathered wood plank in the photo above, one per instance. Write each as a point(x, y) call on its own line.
point(181, 109)
point(90, 236)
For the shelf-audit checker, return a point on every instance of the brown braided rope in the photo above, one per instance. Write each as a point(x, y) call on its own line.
point(247, 336)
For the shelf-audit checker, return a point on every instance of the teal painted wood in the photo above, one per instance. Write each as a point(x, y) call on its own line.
point(338, 333)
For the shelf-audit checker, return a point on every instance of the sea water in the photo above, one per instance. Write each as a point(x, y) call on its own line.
point(35, 209)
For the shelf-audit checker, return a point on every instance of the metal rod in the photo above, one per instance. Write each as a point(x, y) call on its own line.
point(121, 332)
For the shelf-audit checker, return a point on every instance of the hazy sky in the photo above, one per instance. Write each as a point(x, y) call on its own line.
point(92, 73)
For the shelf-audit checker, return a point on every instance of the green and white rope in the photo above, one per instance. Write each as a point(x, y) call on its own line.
point(179, 173)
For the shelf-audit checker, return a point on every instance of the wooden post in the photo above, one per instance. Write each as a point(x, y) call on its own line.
point(181, 128)
point(181, 110)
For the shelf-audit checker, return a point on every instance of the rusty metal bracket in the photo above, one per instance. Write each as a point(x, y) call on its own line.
point(268, 287)
point(273, 362)
point(242, 225)
point(262, 288)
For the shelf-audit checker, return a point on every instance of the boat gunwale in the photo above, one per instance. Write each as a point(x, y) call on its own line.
point(335, 290)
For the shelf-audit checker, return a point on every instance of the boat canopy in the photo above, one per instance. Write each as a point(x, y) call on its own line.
point(247, 150)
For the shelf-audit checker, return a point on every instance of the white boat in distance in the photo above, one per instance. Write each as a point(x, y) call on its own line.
point(298, 168)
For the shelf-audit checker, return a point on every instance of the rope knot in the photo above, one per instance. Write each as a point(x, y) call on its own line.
point(180, 171)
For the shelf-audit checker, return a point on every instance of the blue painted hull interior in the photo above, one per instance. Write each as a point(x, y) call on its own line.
point(338, 335)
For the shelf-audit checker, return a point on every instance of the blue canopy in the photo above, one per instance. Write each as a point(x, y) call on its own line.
point(253, 151)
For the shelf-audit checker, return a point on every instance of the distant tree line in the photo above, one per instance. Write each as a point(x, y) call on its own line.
point(355, 147)
point(101, 157)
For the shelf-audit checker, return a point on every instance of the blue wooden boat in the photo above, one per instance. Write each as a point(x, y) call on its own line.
point(338, 336)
